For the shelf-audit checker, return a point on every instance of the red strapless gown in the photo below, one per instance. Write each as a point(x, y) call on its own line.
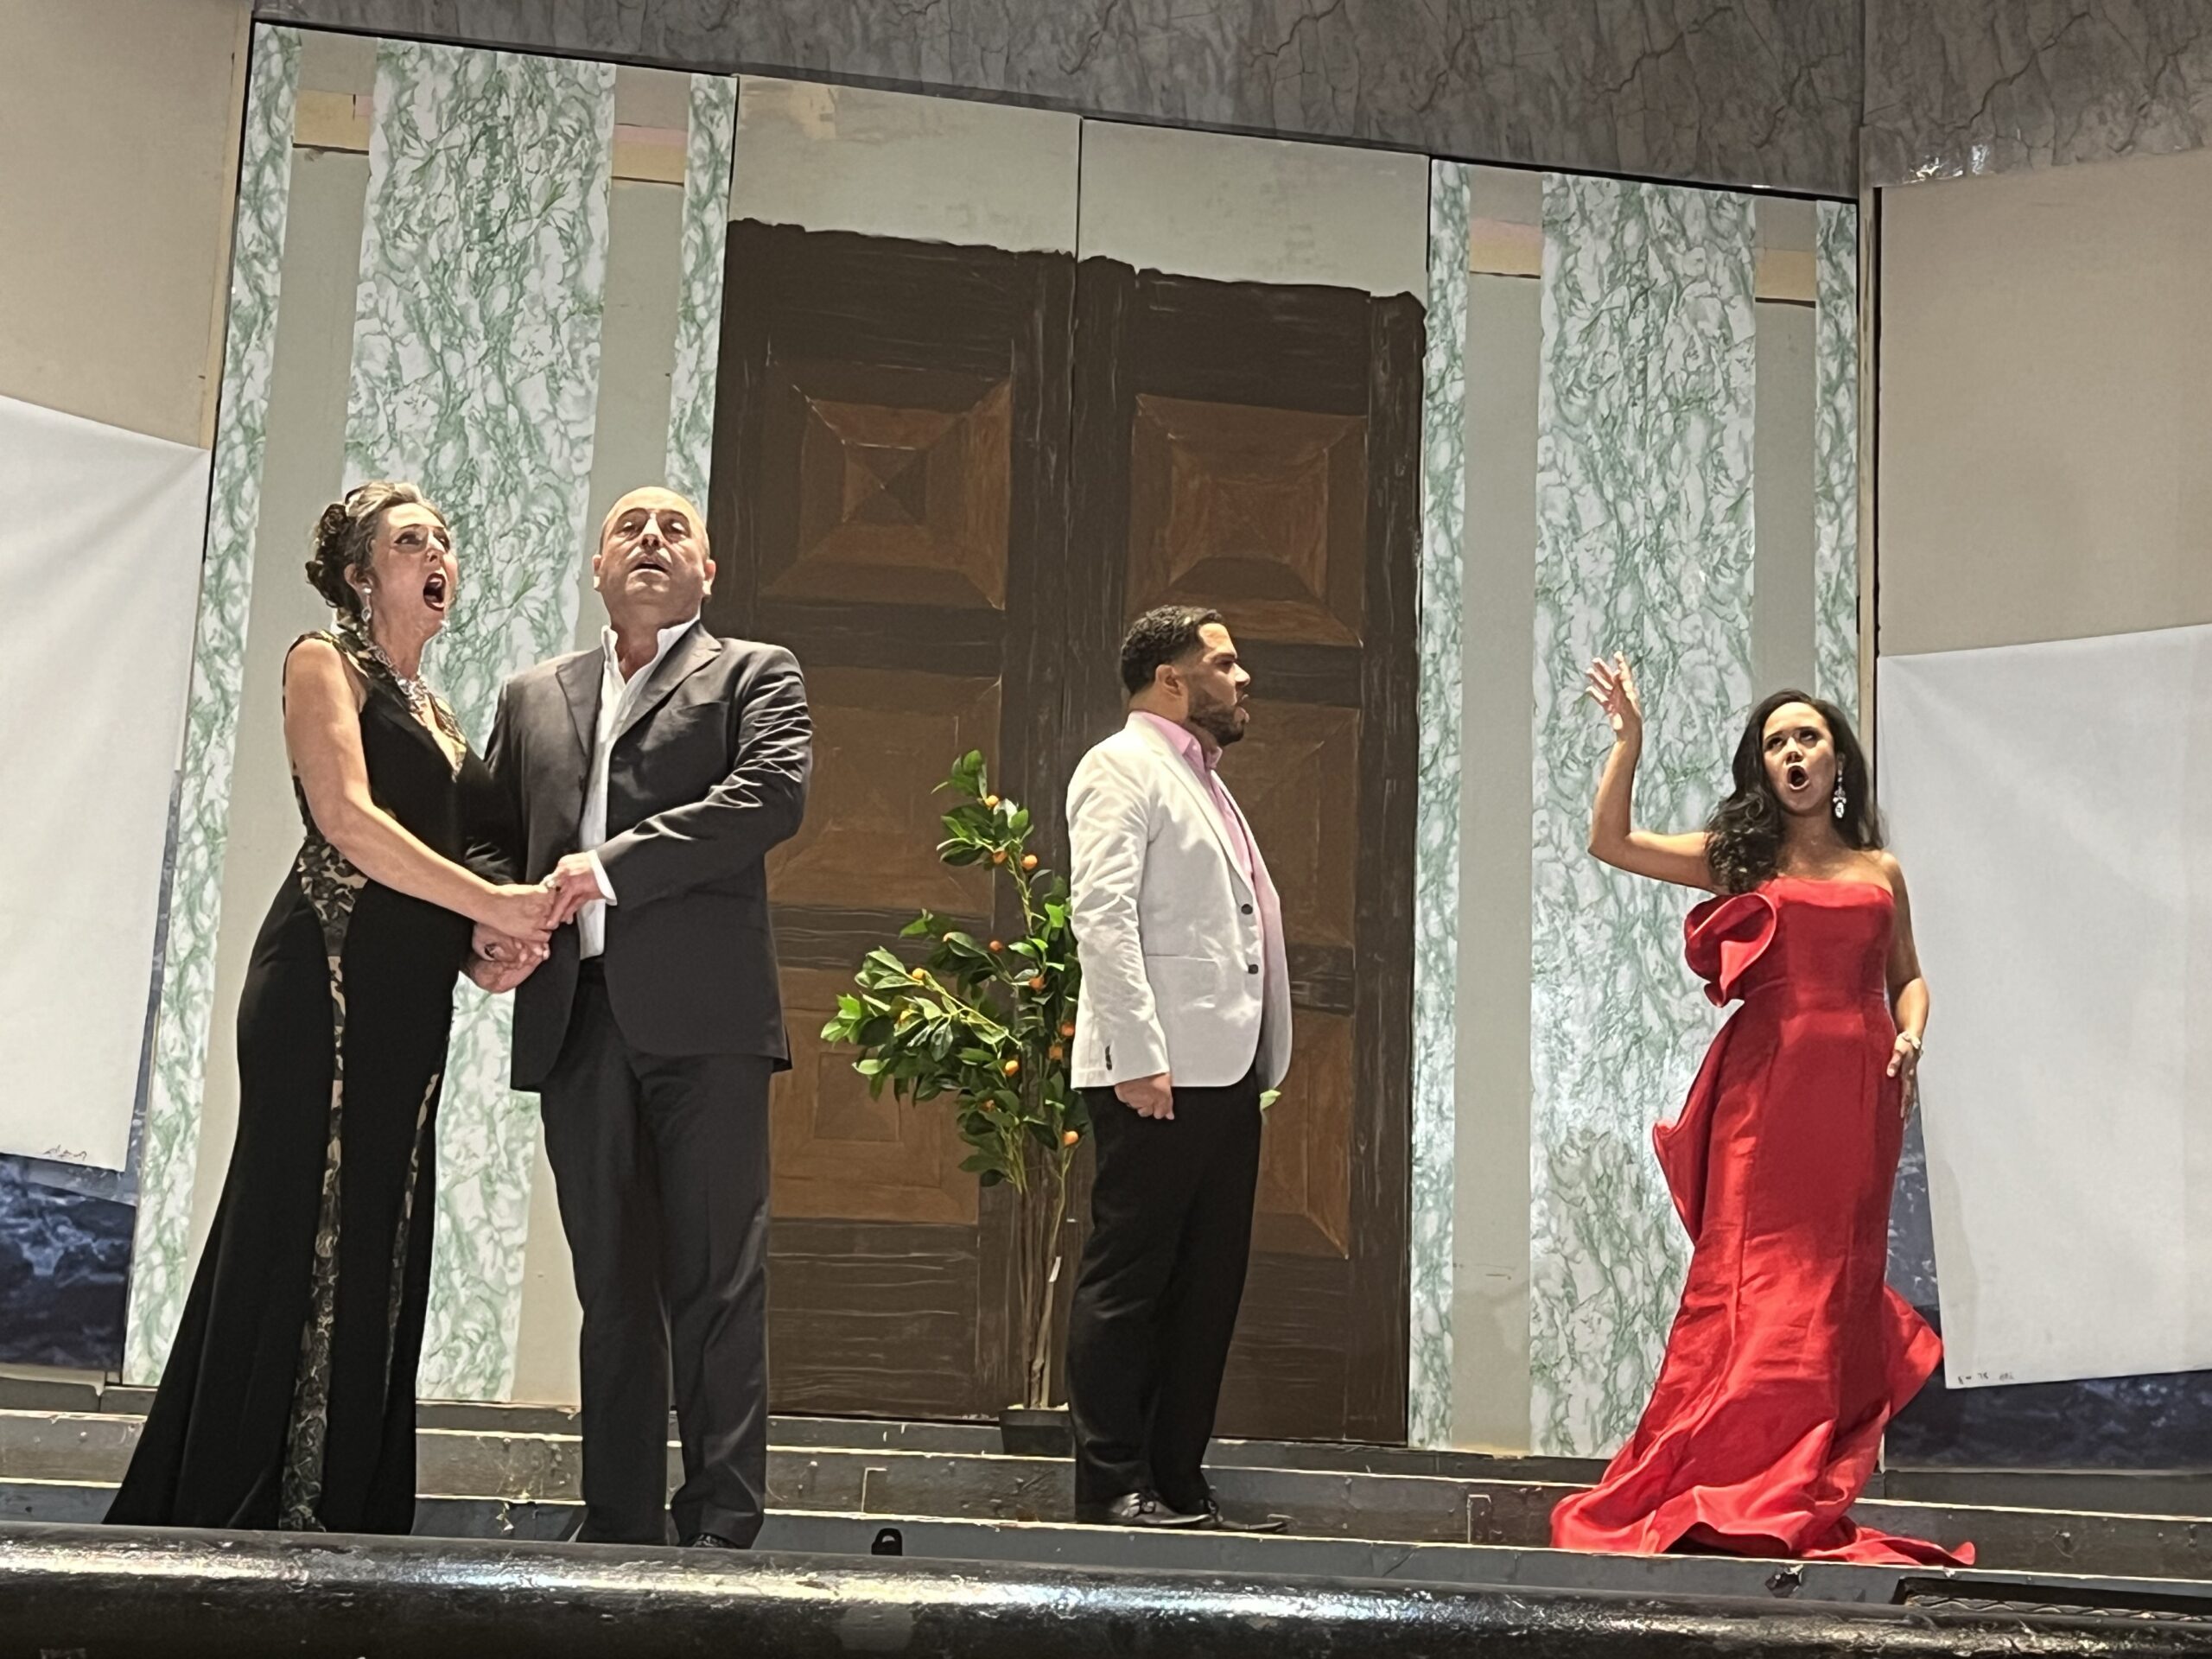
point(1790, 1351)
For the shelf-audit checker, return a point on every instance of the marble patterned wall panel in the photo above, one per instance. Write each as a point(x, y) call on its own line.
point(1957, 87)
point(1761, 92)
point(1835, 457)
point(699, 301)
point(1645, 449)
point(476, 372)
point(169, 1138)
point(1436, 852)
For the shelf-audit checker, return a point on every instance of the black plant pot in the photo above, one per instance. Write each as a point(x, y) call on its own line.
point(1036, 1432)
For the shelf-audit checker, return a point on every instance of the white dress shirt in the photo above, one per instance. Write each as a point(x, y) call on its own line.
point(616, 699)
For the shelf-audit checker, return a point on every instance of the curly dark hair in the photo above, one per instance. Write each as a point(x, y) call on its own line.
point(1164, 634)
point(1744, 833)
point(346, 535)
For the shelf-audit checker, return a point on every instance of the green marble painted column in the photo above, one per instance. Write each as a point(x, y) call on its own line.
point(1836, 458)
point(707, 142)
point(1643, 546)
point(476, 372)
point(1436, 811)
point(161, 1250)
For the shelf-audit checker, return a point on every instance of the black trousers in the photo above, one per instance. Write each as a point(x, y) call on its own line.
point(1155, 1304)
point(661, 1165)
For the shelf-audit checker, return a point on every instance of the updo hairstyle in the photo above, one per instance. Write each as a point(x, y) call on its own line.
point(346, 536)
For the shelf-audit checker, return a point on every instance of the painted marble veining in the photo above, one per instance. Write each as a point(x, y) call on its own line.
point(1436, 812)
point(1835, 457)
point(1752, 92)
point(1959, 87)
point(708, 141)
point(169, 1141)
point(476, 372)
point(1644, 445)
point(63, 1256)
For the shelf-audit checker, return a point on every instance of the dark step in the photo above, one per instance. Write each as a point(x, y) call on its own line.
point(122, 1592)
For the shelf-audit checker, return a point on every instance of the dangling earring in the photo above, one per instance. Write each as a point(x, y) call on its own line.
point(369, 613)
point(1841, 801)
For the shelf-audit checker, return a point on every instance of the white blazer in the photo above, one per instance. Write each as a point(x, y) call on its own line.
point(1184, 970)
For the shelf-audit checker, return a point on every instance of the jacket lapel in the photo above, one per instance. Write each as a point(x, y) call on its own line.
point(580, 677)
point(685, 657)
point(1208, 812)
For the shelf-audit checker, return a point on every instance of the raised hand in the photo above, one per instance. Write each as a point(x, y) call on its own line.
point(574, 884)
point(1611, 686)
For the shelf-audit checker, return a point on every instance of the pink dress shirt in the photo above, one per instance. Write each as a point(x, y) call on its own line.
point(1203, 764)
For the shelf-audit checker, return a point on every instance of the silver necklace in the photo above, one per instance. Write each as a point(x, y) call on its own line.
point(415, 690)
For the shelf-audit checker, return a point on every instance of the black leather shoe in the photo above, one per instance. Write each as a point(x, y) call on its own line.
point(710, 1540)
point(1143, 1510)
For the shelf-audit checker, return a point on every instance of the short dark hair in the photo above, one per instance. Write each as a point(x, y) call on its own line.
point(1165, 633)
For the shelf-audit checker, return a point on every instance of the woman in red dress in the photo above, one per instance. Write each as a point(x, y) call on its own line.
point(1789, 1352)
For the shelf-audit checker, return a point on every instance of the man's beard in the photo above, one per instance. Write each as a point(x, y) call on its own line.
point(1217, 719)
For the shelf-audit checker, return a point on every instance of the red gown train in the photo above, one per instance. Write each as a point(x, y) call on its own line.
point(1789, 1351)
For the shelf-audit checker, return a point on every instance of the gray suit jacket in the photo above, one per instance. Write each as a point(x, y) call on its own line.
point(710, 773)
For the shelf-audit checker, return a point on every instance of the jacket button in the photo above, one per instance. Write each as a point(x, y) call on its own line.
point(1252, 967)
point(1247, 909)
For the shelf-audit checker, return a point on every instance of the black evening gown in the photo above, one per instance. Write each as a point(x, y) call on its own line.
point(288, 1398)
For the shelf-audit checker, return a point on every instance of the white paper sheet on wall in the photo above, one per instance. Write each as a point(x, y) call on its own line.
point(100, 534)
point(2052, 806)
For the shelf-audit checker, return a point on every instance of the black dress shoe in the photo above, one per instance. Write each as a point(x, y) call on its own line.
point(710, 1540)
point(1143, 1510)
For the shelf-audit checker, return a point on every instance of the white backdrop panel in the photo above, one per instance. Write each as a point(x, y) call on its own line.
point(2053, 804)
point(100, 533)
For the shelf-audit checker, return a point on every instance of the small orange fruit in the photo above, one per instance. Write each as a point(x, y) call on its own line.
point(1056, 1052)
point(1011, 1067)
point(1068, 1029)
point(1036, 982)
point(1029, 862)
point(920, 976)
point(998, 857)
point(997, 945)
point(991, 801)
point(1070, 1138)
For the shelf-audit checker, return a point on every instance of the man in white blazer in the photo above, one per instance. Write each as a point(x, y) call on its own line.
point(1182, 1022)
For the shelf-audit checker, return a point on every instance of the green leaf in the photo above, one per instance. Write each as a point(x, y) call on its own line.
point(1268, 1096)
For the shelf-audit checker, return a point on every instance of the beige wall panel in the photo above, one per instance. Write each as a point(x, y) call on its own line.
point(1781, 500)
point(119, 123)
point(1253, 210)
point(1489, 1225)
point(302, 469)
point(2046, 405)
point(932, 169)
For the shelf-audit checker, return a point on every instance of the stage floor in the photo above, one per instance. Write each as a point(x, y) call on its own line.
point(935, 1492)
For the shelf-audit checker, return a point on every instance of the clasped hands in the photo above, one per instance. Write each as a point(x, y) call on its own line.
point(508, 945)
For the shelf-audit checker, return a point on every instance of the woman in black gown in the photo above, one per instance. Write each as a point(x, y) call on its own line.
point(288, 1398)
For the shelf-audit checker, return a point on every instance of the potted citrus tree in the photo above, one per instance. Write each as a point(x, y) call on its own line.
point(983, 1026)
